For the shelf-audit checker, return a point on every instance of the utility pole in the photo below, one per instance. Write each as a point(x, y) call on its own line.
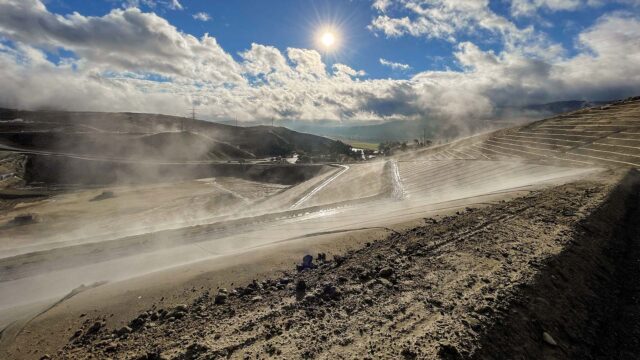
point(271, 122)
point(236, 121)
point(192, 114)
point(424, 136)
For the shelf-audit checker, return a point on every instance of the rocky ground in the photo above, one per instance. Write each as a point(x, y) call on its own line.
point(526, 278)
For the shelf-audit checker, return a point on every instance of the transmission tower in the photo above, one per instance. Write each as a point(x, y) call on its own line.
point(192, 114)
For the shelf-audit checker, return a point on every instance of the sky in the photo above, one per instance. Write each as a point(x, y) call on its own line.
point(257, 60)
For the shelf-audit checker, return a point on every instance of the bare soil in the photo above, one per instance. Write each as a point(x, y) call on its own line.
point(546, 275)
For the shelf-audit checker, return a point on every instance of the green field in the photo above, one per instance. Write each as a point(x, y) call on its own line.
point(361, 145)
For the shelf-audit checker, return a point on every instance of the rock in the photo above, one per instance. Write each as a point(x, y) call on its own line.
point(151, 355)
point(181, 307)
point(385, 282)
point(138, 322)
point(307, 263)
point(195, 350)
point(330, 292)
point(408, 354)
point(94, 328)
point(220, 298)
point(386, 272)
point(256, 298)
point(549, 339)
point(449, 352)
point(301, 287)
point(473, 323)
point(113, 346)
point(123, 330)
point(45, 357)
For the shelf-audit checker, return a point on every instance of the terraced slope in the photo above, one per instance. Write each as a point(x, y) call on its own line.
point(603, 136)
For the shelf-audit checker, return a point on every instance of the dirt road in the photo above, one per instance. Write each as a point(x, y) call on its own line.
point(444, 289)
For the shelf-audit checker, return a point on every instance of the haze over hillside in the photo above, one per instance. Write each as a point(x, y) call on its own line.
point(434, 128)
point(131, 135)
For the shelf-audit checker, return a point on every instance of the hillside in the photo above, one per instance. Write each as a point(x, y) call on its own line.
point(127, 134)
point(408, 130)
point(520, 243)
point(606, 135)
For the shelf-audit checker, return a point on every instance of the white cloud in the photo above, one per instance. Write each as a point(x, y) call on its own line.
point(121, 40)
point(532, 7)
point(202, 16)
point(117, 56)
point(308, 63)
point(171, 4)
point(342, 70)
point(381, 5)
point(394, 65)
point(448, 19)
point(175, 5)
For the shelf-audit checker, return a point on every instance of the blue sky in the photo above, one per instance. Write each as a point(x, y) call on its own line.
point(293, 23)
point(453, 61)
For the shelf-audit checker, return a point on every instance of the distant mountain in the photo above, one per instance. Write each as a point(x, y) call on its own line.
point(151, 136)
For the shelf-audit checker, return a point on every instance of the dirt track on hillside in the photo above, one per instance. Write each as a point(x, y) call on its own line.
point(483, 283)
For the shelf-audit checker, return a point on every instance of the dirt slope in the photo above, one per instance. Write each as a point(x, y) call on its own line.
point(452, 288)
point(606, 135)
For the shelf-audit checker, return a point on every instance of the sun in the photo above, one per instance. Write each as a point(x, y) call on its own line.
point(328, 39)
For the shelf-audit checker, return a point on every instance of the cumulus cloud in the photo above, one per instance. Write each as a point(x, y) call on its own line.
point(447, 20)
point(521, 8)
point(394, 65)
point(530, 7)
point(121, 40)
point(202, 16)
point(129, 60)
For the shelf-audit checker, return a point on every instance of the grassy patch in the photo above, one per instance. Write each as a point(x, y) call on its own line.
point(361, 145)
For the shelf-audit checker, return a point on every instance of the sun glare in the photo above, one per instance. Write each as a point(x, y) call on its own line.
point(328, 39)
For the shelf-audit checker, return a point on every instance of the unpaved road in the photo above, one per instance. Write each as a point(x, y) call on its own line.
point(494, 282)
point(430, 187)
point(40, 270)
